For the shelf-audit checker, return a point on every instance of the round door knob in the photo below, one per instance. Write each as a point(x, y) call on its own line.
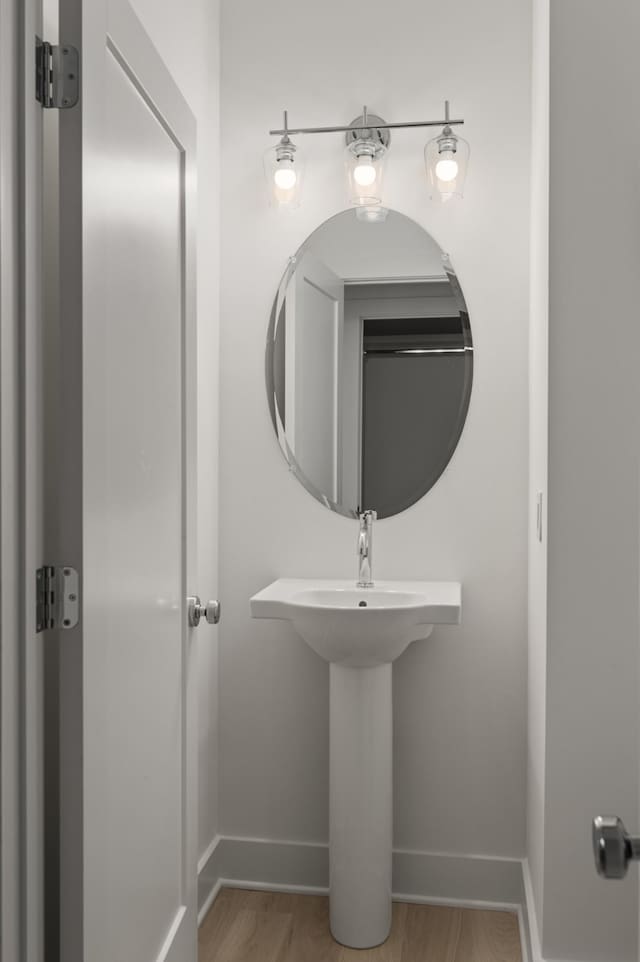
point(613, 847)
point(210, 612)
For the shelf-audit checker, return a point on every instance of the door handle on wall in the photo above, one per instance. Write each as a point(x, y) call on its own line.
point(210, 612)
point(613, 847)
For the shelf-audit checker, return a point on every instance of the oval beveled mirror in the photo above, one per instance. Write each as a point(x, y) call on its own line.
point(369, 363)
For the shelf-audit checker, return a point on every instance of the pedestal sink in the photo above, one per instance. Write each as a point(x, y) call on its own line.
point(360, 631)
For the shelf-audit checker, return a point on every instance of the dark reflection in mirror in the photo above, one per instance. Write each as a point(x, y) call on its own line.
point(369, 364)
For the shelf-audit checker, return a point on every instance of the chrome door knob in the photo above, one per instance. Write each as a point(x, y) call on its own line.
point(613, 847)
point(210, 612)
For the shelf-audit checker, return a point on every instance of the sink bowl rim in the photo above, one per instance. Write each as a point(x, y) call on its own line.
point(356, 595)
point(439, 602)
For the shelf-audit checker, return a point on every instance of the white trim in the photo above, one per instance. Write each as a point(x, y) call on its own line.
point(209, 876)
point(228, 883)
point(471, 856)
point(208, 853)
point(249, 885)
point(453, 903)
point(523, 929)
point(169, 942)
point(470, 878)
point(436, 878)
point(217, 863)
point(244, 863)
point(270, 841)
point(532, 918)
point(209, 882)
point(210, 899)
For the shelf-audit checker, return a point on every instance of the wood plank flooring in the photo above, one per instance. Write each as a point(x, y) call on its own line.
point(244, 926)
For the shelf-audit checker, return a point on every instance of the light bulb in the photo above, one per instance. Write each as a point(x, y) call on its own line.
point(447, 166)
point(285, 177)
point(364, 173)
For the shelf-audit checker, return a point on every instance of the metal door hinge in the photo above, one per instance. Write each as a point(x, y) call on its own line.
point(57, 74)
point(57, 597)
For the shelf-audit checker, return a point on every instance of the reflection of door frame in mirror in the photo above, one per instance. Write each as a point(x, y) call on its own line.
point(302, 359)
point(351, 380)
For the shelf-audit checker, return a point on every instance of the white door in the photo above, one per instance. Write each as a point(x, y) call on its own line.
point(314, 322)
point(126, 498)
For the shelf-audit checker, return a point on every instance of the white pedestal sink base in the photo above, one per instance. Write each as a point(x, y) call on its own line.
point(360, 632)
point(360, 804)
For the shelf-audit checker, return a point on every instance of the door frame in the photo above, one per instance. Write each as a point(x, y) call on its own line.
point(21, 754)
point(10, 549)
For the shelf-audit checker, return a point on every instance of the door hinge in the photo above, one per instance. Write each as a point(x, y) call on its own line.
point(57, 597)
point(57, 74)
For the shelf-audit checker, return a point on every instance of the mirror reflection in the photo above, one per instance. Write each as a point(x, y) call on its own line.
point(369, 363)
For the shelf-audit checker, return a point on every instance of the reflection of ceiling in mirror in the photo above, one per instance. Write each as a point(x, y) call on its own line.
point(394, 248)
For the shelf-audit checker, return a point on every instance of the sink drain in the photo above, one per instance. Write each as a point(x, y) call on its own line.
point(362, 604)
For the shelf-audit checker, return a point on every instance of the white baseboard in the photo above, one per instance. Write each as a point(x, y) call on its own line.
point(209, 900)
point(207, 854)
point(523, 929)
point(301, 867)
point(234, 883)
point(433, 878)
point(533, 930)
point(264, 862)
point(209, 876)
point(465, 879)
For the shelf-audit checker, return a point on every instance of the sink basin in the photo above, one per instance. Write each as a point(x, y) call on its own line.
point(360, 631)
point(360, 627)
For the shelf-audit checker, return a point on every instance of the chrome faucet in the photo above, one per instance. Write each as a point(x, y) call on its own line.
point(365, 549)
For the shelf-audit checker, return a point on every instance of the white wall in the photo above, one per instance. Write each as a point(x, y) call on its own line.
point(594, 411)
point(460, 698)
point(187, 37)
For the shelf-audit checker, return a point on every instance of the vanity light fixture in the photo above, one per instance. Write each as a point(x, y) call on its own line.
point(367, 141)
point(446, 159)
point(367, 144)
point(284, 170)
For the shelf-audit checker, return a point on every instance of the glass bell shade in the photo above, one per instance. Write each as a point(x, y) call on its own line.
point(365, 168)
point(284, 172)
point(446, 160)
point(372, 215)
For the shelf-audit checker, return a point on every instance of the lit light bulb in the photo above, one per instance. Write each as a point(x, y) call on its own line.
point(447, 166)
point(364, 173)
point(285, 176)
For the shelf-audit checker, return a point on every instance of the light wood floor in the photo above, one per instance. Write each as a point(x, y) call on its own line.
point(244, 926)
